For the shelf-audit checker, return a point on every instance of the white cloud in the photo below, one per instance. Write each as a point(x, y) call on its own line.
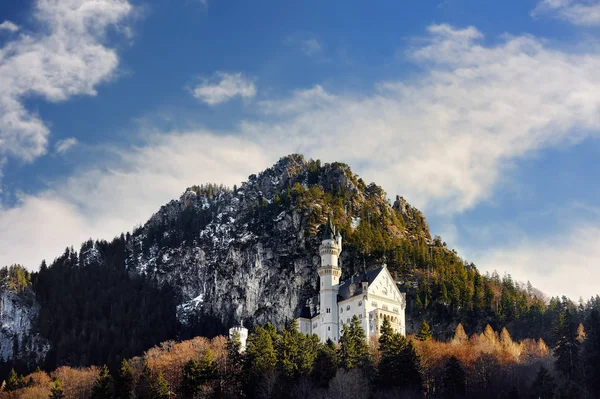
point(578, 12)
point(443, 139)
point(67, 59)
point(65, 145)
point(9, 26)
point(564, 264)
point(103, 201)
point(311, 47)
point(224, 87)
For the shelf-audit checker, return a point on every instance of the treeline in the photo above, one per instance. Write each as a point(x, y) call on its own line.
point(15, 277)
point(286, 364)
point(94, 311)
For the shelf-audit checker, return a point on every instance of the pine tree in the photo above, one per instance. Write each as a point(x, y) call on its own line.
point(124, 381)
point(543, 386)
point(454, 379)
point(160, 387)
point(399, 365)
point(591, 354)
point(143, 388)
point(260, 353)
point(424, 332)
point(13, 382)
point(567, 347)
point(326, 363)
point(56, 391)
point(354, 351)
point(103, 387)
point(190, 383)
point(289, 351)
point(234, 366)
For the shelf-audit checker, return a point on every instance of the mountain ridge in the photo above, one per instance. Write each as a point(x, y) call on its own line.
point(218, 256)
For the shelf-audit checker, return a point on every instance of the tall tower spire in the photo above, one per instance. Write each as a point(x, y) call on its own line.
point(329, 273)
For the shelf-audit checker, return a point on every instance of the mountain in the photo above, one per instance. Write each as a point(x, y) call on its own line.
point(219, 256)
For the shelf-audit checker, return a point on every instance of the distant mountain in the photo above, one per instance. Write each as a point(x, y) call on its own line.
point(219, 256)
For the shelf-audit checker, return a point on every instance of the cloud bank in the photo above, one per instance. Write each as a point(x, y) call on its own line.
point(67, 58)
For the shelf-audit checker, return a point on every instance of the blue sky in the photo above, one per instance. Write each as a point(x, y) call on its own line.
point(484, 114)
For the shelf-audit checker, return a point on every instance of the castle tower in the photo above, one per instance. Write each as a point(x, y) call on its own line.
point(242, 333)
point(329, 273)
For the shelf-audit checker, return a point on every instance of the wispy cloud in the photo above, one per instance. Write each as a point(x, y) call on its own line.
point(65, 145)
point(9, 26)
point(224, 87)
point(578, 12)
point(67, 59)
point(311, 47)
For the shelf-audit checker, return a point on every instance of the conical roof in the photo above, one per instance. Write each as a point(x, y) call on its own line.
point(329, 233)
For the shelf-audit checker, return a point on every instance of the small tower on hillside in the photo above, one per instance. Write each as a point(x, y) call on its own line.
point(329, 273)
point(243, 334)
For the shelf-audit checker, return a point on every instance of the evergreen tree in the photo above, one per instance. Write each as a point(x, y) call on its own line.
point(56, 391)
point(103, 387)
point(190, 383)
point(354, 351)
point(424, 332)
point(260, 353)
point(399, 365)
point(234, 367)
point(13, 382)
point(160, 387)
point(289, 351)
point(326, 364)
point(566, 350)
point(143, 388)
point(591, 354)
point(454, 380)
point(543, 386)
point(124, 383)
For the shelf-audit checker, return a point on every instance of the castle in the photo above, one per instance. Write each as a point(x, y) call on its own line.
point(370, 296)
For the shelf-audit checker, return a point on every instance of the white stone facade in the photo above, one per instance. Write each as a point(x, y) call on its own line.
point(370, 297)
point(243, 333)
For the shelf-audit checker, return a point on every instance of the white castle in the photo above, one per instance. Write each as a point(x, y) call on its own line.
point(370, 296)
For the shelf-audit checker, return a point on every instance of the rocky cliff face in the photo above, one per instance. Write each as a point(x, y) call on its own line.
point(252, 252)
point(18, 335)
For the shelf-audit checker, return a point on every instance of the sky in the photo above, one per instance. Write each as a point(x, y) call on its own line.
point(483, 114)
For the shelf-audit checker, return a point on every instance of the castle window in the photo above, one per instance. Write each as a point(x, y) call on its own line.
point(329, 328)
point(360, 316)
point(348, 320)
point(384, 307)
point(396, 310)
point(359, 303)
point(341, 310)
point(328, 310)
point(348, 307)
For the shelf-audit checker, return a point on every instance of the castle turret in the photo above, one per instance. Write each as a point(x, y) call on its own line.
point(329, 273)
point(242, 334)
